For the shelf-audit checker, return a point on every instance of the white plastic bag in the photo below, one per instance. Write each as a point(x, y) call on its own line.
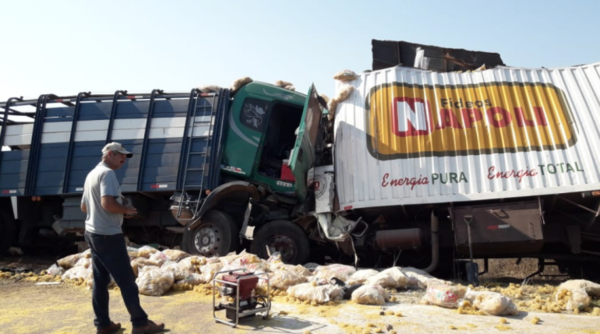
point(55, 270)
point(155, 282)
point(577, 293)
point(239, 83)
point(370, 295)
point(383, 280)
point(146, 251)
point(360, 276)
point(159, 258)
point(416, 276)
point(84, 262)
point(209, 88)
point(209, 270)
point(141, 262)
point(344, 93)
point(345, 75)
point(188, 283)
point(175, 254)
point(179, 270)
point(444, 295)
point(194, 261)
point(68, 262)
point(77, 273)
point(132, 252)
point(316, 293)
point(283, 279)
point(402, 281)
point(339, 271)
point(492, 303)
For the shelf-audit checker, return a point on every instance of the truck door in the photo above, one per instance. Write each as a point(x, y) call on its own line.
point(309, 141)
point(247, 123)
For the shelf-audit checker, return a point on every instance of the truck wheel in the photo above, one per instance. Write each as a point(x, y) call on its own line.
point(217, 235)
point(7, 230)
point(284, 237)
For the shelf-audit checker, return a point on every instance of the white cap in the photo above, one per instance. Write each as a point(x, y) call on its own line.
point(116, 147)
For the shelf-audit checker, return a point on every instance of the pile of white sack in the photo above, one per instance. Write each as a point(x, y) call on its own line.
point(160, 271)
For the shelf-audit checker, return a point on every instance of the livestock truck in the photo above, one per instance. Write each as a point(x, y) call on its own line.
point(416, 167)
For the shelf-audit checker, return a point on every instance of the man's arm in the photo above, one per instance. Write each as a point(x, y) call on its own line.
point(83, 207)
point(110, 204)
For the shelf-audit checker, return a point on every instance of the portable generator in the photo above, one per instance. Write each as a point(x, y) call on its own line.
point(239, 288)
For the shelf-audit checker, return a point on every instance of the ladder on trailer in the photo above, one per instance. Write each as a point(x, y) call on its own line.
point(194, 204)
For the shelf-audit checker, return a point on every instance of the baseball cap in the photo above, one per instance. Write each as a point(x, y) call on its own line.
point(116, 147)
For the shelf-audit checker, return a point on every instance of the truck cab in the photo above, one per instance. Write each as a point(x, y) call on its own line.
point(261, 135)
point(273, 137)
point(264, 142)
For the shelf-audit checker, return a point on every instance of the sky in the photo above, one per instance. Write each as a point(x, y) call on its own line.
point(67, 47)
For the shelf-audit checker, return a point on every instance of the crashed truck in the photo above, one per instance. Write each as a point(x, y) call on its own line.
point(444, 156)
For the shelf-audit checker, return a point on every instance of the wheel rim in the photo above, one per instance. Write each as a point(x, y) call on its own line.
point(284, 245)
point(207, 239)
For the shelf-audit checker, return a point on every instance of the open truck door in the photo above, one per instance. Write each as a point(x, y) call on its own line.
point(309, 141)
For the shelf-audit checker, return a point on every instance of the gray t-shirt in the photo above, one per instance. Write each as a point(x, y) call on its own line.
point(101, 181)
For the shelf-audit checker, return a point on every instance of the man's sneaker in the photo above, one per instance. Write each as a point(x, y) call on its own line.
point(150, 328)
point(112, 328)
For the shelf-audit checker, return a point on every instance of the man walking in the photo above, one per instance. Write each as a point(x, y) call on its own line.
point(103, 204)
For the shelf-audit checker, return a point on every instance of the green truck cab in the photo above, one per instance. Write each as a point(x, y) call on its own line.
point(273, 137)
point(267, 132)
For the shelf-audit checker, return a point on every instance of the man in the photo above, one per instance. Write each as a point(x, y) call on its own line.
point(103, 204)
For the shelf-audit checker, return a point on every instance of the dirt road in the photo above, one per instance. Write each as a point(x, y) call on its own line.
point(29, 308)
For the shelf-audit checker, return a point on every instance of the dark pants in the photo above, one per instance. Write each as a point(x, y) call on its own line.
point(109, 257)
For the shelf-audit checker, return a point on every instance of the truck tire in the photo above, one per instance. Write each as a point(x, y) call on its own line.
point(7, 230)
point(217, 235)
point(284, 237)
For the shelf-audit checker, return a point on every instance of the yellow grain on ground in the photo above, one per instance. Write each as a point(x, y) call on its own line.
point(503, 328)
point(350, 328)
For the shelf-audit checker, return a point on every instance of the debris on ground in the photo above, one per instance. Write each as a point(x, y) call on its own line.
point(159, 271)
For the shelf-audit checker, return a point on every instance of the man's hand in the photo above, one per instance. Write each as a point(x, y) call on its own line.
point(110, 204)
point(130, 211)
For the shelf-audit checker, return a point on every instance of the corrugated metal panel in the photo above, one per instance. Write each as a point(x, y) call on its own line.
point(408, 136)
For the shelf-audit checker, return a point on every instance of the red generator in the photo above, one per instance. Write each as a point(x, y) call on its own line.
point(239, 287)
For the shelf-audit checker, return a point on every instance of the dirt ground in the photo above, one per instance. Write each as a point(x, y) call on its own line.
point(63, 308)
point(53, 309)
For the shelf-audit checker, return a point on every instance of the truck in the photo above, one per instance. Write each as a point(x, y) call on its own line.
point(428, 167)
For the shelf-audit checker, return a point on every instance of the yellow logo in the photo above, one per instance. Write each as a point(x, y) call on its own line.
point(413, 121)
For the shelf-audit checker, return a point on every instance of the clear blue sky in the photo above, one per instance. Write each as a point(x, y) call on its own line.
point(65, 47)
